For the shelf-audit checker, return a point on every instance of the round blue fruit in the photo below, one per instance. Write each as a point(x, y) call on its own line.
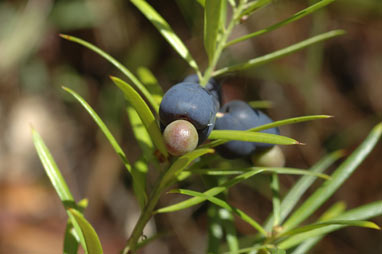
point(212, 86)
point(238, 115)
point(189, 101)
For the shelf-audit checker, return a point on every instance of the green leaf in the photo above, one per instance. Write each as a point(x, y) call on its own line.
point(144, 113)
point(279, 53)
point(293, 120)
point(338, 178)
point(102, 126)
point(201, 2)
point(356, 223)
point(51, 169)
point(118, 65)
point(253, 6)
point(285, 171)
point(227, 220)
point(302, 185)
point(213, 10)
point(272, 125)
point(332, 212)
point(275, 187)
point(151, 83)
point(182, 163)
point(224, 205)
point(249, 136)
point(215, 229)
point(71, 239)
point(140, 133)
point(139, 181)
point(57, 181)
point(277, 251)
point(291, 19)
point(360, 213)
point(92, 241)
point(247, 250)
point(139, 186)
point(166, 31)
point(244, 175)
point(211, 192)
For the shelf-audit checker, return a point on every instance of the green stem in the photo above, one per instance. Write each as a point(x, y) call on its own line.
point(145, 216)
point(222, 43)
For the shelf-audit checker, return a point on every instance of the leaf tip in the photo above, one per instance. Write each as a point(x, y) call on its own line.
point(378, 127)
point(173, 191)
point(113, 78)
point(65, 36)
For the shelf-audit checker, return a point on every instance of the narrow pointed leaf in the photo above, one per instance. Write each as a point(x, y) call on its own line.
point(118, 65)
point(360, 213)
point(277, 251)
point(57, 181)
point(285, 171)
point(252, 137)
point(213, 10)
point(332, 212)
point(301, 186)
point(102, 127)
point(165, 30)
point(140, 133)
point(253, 6)
point(356, 223)
point(227, 221)
point(201, 2)
point(151, 83)
point(226, 206)
point(339, 176)
point(211, 192)
point(247, 250)
point(71, 239)
point(215, 229)
point(279, 53)
point(279, 123)
point(139, 187)
point(275, 187)
point(139, 182)
point(290, 121)
point(51, 169)
point(144, 113)
point(91, 238)
point(291, 19)
point(181, 164)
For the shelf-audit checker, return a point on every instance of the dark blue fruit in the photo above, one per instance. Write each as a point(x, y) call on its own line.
point(238, 115)
point(189, 101)
point(212, 86)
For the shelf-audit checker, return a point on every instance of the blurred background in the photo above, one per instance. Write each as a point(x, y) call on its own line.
point(340, 77)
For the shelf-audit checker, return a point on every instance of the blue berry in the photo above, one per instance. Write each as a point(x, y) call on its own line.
point(212, 86)
point(238, 115)
point(189, 101)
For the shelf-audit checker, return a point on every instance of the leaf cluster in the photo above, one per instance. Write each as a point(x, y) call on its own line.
point(285, 230)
